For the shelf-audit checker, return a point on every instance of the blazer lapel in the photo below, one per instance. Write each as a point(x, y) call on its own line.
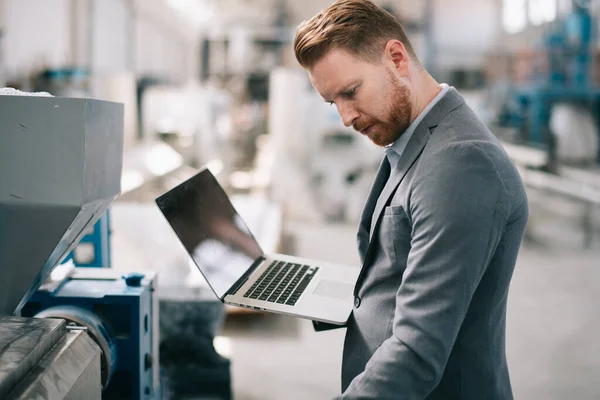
point(365, 221)
point(378, 199)
point(409, 156)
point(413, 150)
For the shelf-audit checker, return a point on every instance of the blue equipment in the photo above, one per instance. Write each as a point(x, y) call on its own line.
point(99, 240)
point(121, 316)
point(566, 77)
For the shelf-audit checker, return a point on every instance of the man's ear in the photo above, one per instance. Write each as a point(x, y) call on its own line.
point(396, 53)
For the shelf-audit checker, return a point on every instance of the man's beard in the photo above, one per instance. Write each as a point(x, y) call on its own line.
point(397, 111)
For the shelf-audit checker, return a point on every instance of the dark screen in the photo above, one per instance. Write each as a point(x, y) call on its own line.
point(210, 229)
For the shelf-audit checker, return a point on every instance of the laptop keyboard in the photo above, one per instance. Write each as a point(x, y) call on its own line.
point(282, 283)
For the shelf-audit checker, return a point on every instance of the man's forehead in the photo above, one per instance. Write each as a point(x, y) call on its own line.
point(336, 61)
point(336, 70)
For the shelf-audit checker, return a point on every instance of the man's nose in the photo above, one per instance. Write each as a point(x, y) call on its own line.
point(347, 113)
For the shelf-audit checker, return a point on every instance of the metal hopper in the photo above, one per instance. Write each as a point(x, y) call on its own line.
point(60, 169)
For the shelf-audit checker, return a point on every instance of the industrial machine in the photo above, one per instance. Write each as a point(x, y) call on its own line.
point(66, 332)
point(93, 249)
point(563, 75)
point(119, 313)
point(553, 101)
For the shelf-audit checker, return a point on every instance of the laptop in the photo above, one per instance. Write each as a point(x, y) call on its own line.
point(237, 270)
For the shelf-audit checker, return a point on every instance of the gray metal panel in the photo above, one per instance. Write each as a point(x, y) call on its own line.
point(87, 387)
point(41, 150)
point(60, 169)
point(103, 149)
point(24, 342)
point(29, 245)
point(71, 370)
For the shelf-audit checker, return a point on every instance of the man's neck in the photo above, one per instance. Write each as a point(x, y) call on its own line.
point(424, 92)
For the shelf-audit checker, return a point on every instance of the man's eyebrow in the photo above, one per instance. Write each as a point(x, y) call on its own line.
point(349, 86)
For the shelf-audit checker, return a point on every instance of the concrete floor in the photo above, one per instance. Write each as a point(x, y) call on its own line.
point(553, 325)
point(553, 316)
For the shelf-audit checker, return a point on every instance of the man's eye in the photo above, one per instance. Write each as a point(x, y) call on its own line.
point(349, 94)
point(330, 103)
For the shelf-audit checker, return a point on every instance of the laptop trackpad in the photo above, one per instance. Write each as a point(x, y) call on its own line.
point(334, 289)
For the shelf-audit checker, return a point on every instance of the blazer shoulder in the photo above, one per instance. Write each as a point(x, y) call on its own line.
point(463, 159)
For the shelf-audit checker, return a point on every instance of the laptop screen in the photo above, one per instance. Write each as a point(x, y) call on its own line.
point(211, 230)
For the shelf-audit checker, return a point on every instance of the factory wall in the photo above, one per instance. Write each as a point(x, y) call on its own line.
point(111, 39)
point(463, 31)
point(145, 37)
point(37, 33)
point(166, 43)
point(148, 38)
point(159, 51)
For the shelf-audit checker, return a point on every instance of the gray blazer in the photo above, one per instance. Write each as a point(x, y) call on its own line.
point(438, 246)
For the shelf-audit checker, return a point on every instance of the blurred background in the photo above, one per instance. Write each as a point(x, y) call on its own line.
point(215, 82)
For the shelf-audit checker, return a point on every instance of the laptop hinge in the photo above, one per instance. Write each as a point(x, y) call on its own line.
point(238, 284)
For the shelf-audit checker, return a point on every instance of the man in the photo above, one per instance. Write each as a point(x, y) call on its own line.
point(441, 228)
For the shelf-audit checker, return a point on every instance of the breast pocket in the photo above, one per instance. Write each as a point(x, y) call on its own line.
point(395, 234)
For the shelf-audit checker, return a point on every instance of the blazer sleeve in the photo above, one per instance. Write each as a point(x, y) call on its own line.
point(458, 213)
point(323, 326)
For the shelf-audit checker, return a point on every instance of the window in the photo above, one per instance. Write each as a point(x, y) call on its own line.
point(514, 15)
point(541, 11)
point(199, 12)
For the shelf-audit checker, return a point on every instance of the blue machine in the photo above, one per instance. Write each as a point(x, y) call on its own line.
point(566, 78)
point(99, 240)
point(121, 315)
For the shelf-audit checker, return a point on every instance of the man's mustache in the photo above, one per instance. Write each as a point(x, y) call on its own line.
point(360, 126)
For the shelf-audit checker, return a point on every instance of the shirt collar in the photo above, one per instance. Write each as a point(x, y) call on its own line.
point(395, 150)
